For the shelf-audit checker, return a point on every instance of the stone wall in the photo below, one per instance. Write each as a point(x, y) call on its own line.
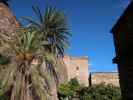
point(77, 67)
point(104, 77)
point(8, 25)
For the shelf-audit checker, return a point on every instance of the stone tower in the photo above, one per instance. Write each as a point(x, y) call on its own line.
point(77, 67)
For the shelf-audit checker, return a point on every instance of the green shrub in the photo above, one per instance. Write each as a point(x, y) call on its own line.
point(4, 97)
point(100, 92)
point(3, 60)
point(68, 90)
point(74, 82)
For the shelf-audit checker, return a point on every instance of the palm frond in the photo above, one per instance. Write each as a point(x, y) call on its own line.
point(26, 41)
point(38, 13)
point(54, 27)
point(44, 40)
point(38, 84)
point(7, 78)
point(32, 22)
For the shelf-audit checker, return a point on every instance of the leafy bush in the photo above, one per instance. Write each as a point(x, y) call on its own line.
point(100, 92)
point(4, 97)
point(95, 92)
point(68, 90)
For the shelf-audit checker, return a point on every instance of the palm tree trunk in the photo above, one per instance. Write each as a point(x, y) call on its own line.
point(23, 79)
point(22, 95)
point(25, 92)
point(13, 92)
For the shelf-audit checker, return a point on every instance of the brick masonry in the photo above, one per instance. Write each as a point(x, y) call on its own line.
point(104, 77)
point(77, 67)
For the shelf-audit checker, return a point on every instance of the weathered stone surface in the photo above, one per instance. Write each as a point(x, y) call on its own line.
point(8, 22)
point(8, 25)
point(77, 67)
point(105, 77)
point(62, 72)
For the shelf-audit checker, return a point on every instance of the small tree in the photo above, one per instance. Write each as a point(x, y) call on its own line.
point(34, 49)
point(100, 92)
point(68, 90)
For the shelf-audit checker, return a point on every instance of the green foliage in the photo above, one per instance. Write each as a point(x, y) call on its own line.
point(68, 90)
point(95, 92)
point(28, 40)
point(4, 60)
point(52, 24)
point(65, 91)
point(74, 82)
point(4, 97)
point(35, 49)
point(100, 92)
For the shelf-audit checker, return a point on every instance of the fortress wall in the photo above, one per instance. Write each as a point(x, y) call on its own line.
point(105, 77)
point(77, 67)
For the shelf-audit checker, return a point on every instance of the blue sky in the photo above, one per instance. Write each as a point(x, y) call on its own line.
point(90, 22)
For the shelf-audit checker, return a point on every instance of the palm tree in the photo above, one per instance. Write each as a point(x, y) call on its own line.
point(54, 27)
point(34, 49)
